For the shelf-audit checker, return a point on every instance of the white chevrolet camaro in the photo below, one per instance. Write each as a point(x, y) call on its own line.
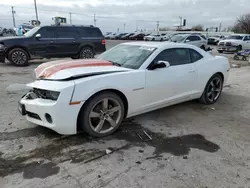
point(95, 95)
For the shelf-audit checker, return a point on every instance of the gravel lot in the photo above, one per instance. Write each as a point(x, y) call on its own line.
point(193, 145)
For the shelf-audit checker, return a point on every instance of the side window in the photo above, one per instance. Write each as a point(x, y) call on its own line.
point(175, 56)
point(246, 38)
point(193, 38)
point(64, 32)
point(203, 37)
point(90, 32)
point(47, 32)
point(195, 56)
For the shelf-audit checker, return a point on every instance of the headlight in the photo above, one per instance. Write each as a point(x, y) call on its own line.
point(2, 47)
point(46, 94)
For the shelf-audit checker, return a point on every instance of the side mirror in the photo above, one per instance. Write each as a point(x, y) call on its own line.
point(160, 64)
point(187, 40)
point(38, 36)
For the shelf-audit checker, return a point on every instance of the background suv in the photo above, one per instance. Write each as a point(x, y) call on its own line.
point(194, 39)
point(53, 42)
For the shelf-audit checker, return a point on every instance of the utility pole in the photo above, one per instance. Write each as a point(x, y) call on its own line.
point(36, 11)
point(124, 28)
point(94, 20)
point(70, 20)
point(136, 27)
point(220, 27)
point(157, 27)
point(13, 16)
point(180, 21)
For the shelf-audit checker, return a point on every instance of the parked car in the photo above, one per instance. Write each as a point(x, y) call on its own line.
point(106, 36)
point(126, 37)
point(114, 35)
point(234, 43)
point(194, 39)
point(138, 36)
point(153, 38)
point(215, 39)
point(53, 41)
point(87, 95)
point(118, 37)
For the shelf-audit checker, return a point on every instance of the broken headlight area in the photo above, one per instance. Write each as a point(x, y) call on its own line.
point(43, 94)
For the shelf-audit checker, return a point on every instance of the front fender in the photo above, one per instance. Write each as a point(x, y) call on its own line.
point(131, 84)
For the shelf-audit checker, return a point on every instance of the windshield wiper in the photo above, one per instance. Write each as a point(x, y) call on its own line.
point(114, 63)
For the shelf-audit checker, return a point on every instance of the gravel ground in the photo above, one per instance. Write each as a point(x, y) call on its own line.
point(193, 145)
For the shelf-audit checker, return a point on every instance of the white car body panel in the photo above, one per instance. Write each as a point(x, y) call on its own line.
point(145, 90)
point(153, 37)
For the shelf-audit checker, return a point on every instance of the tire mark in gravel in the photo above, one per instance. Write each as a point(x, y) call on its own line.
point(59, 151)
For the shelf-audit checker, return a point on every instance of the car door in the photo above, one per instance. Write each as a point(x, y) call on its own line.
point(66, 41)
point(172, 83)
point(246, 42)
point(194, 40)
point(43, 46)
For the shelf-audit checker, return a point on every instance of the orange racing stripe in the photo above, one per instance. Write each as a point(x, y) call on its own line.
point(46, 72)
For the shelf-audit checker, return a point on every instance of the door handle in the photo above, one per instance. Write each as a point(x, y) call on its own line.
point(73, 41)
point(191, 71)
point(51, 42)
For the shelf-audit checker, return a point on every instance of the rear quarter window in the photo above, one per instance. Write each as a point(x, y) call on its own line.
point(90, 32)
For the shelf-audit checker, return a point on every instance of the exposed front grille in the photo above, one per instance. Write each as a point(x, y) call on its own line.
point(221, 44)
point(228, 44)
point(33, 115)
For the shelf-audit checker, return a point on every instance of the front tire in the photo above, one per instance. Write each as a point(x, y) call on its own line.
point(87, 53)
point(212, 90)
point(220, 51)
point(102, 114)
point(18, 57)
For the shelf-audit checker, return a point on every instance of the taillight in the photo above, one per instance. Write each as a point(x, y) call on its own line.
point(103, 42)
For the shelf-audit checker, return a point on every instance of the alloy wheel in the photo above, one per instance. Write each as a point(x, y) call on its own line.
point(19, 57)
point(87, 54)
point(105, 115)
point(214, 89)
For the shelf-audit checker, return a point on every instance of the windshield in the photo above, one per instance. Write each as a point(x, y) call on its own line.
point(31, 32)
point(128, 56)
point(237, 37)
point(178, 38)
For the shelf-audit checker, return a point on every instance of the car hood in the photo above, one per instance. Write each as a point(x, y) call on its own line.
point(2, 39)
point(72, 69)
point(216, 38)
point(231, 40)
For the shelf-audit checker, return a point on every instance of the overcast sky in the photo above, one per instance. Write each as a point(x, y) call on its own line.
point(113, 14)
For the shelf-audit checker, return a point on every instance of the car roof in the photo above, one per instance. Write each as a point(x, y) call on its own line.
point(160, 44)
point(82, 26)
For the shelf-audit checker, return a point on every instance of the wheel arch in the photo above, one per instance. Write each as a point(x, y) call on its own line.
point(116, 91)
point(18, 46)
point(86, 45)
point(219, 73)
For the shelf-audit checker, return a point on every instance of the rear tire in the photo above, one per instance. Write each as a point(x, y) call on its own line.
point(96, 112)
point(212, 90)
point(18, 57)
point(86, 53)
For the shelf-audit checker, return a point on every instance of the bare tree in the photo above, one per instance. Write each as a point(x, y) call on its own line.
point(197, 28)
point(242, 24)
